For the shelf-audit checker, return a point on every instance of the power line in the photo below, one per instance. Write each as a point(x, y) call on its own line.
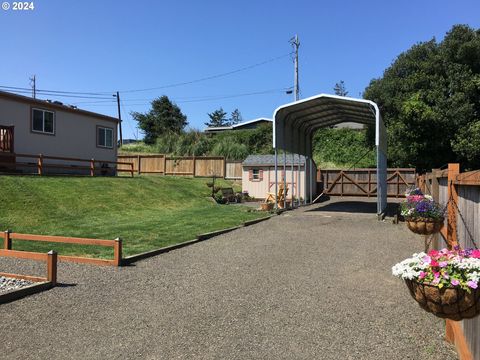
point(210, 77)
point(147, 101)
point(103, 93)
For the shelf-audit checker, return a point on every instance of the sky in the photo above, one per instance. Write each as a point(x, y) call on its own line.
point(101, 47)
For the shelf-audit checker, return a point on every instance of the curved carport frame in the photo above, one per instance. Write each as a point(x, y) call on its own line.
point(295, 123)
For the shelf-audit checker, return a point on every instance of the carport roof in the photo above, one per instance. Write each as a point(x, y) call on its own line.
point(295, 123)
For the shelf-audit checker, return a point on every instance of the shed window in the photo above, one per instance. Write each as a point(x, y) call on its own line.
point(43, 121)
point(105, 137)
point(255, 175)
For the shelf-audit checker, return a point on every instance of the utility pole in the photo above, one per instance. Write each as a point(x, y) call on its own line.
point(34, 87)
point(119, 118)
point(296, 87)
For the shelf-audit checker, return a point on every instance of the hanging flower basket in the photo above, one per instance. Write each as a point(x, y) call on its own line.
point(423, 215)
point(444, 282)
point(424, 226)
point(451, 303)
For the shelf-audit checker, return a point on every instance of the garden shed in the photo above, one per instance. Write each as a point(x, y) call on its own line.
point(258, 175)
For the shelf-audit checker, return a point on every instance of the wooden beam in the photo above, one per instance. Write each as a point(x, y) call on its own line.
point(453, 171)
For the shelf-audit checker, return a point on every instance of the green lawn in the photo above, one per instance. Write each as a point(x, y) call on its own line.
point(147, 212)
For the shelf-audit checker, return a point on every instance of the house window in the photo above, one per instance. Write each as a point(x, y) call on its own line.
point(104, 137)
point(43, 121)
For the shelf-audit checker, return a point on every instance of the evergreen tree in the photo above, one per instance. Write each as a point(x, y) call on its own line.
point(217, 118)
point(163, 117)
point(340, 89)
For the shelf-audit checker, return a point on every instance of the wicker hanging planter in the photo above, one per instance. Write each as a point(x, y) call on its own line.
point(424, 226)
point(448, 303)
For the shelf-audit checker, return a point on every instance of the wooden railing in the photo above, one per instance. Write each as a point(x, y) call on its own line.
point(363, 182)
point(460, 192)
point(115, 244)
point(6, 139)
point(39, 165)
point(50, 258)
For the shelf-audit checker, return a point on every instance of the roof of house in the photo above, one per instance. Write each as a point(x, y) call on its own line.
point(269, 160)
point(236, 126)
point(54, 105)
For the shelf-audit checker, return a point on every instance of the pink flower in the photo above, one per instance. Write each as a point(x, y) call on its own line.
point(433, 263)
point(427, 259)
point(476, 254)
point(422, 274)
point(443, 264)
point(436, 274)
point(445, 275)
point(472, 284)
point(433, 253)
point(455, 282)
point(436, 281)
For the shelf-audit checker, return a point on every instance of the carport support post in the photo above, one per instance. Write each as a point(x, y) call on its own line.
point(276, 179)
point(293, 179)
point(311, 180)
point(299, 181)
point(284, 179)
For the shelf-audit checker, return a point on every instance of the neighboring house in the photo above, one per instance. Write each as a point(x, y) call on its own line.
point(349, 125)
point(258, 175)
point(32, 126)
point(251, 124)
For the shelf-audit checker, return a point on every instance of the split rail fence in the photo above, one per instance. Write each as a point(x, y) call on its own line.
point(115, 244)
point(200, 166)
point(363, 182)
point(41, 164)
point(49, 258)
point(461, 193)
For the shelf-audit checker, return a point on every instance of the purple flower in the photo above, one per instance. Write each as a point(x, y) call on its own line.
point(472, 284)
point(455, 282)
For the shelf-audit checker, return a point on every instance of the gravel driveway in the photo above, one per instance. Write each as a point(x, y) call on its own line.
point(308, 284)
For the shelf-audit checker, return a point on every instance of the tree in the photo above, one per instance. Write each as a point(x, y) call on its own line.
point(163, 117)
point(235, 117)
point(340, 89)
point(217, 118)
point(430, 102)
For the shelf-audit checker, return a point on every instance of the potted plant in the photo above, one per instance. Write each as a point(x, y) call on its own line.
point(444, 282)
point(422, 214)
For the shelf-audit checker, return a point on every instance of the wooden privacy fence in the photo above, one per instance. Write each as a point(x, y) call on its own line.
point(49, 258)
point(115, 244)
point(201, 166)
point(233, 170)
point(363, 182)
point(41, 164)
point(461, 193)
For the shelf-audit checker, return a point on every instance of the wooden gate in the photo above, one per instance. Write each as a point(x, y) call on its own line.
point(363, 182)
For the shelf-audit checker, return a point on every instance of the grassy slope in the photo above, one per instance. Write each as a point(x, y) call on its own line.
point(146, 212)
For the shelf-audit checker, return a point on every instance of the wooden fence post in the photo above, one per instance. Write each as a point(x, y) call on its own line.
point(40, 164)
point(194, 166)
point(131, 169)
point(139, 160)
point(453, 171)
point(164, 164)
point(117, 252)
point(92, 167)
point(52, 267)
point(7, 242)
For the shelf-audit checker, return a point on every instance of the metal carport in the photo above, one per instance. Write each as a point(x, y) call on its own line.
point(295, 123)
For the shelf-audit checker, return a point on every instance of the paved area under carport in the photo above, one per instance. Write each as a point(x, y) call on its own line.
point(309, 284)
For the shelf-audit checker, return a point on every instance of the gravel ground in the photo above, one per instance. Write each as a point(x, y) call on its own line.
point(9, 284)
point(308, 284)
